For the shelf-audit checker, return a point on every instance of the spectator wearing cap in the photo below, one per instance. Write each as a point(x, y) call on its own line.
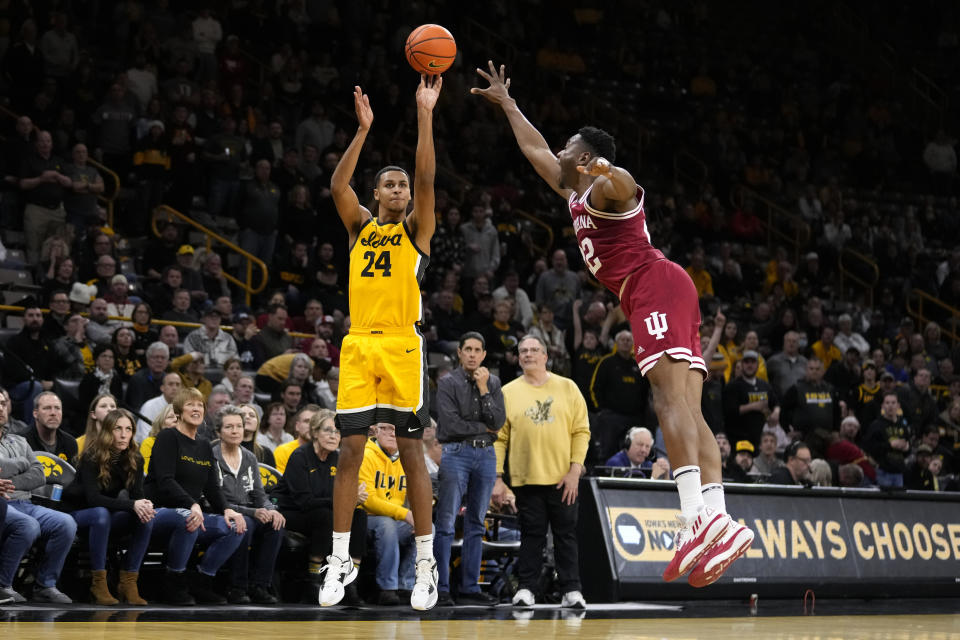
point(810, 277)
point(748, 401)
point(43, 184)
point(80, 201)
point(887, 442)
point(843, 448)
point(743, 457)
point(191, 280)
point(326, 330)
point(862, 397)
point(210, 340)
point(260, 214)
point(119, 303)
point(248, 350)
point(330, 294)
point(923, 472)
point(847, 338)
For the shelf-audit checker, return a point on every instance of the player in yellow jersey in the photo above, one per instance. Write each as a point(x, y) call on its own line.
point(383, 369)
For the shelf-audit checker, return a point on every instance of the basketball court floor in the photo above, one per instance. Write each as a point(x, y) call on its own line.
point(907, 619)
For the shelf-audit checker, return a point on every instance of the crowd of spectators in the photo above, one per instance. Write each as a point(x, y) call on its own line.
point(237, 117)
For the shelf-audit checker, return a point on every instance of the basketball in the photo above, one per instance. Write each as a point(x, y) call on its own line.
point(430, 49)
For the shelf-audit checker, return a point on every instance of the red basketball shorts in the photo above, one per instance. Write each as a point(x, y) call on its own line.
point(661, 304)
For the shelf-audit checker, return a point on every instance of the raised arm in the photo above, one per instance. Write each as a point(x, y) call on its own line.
point(351, 212)
point(423, 220)
point(531, 142)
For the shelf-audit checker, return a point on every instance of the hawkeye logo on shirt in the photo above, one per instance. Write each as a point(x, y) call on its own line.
point(819, 398)
point(540, 413)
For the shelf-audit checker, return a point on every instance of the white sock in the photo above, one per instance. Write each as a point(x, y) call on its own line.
point(424, 547)
point(713, 497)
point(688, 486)
point(341, 545)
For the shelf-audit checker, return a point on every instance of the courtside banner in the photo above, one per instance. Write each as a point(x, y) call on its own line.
point(803, 536)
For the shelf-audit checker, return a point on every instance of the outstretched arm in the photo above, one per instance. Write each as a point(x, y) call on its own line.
point(531, 142)
point(351, 212)
point(423, 220)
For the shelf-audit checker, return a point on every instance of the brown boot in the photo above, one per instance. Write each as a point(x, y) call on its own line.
point(100, 591)
point(127, 588)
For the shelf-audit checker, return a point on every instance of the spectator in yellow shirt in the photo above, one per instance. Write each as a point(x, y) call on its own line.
point(391, 522)
point(301, 424)
point(824, 349)
point(697, 270)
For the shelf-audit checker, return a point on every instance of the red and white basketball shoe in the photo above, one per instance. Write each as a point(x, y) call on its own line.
point(734, 543)
point(694, 538)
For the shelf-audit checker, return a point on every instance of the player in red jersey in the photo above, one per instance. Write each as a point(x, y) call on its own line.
point(660, 301)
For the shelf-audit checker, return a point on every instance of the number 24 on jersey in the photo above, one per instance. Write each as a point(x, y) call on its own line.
point(380, 262)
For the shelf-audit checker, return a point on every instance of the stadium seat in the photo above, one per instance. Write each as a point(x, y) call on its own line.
point(56, 470)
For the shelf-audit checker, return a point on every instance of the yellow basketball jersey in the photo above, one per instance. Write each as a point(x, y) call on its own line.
point(386, 268)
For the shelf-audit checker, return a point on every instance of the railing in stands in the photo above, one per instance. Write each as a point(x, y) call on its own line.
point(111, 181)
point(949, 317)
point(781, 225)
point(156, 321)
point(854, 266)
point(545, 247)
point(211, 236)
point(928, 99)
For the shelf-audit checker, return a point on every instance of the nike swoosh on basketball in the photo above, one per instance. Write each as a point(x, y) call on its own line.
point(411, 350)
point(433, 64)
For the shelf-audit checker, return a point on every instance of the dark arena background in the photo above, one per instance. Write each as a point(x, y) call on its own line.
point(798, 160)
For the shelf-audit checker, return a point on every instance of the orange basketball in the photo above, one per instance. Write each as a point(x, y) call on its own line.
point(430, 49)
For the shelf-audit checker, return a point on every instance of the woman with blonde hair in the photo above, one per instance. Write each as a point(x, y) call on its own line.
point(251, 428)
point(100, 406)
point(110, 464)
point(164, 420)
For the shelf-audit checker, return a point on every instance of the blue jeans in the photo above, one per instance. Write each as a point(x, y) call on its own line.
point(171, 523)
point(259, 244)
point(219, 539)
point(887, 479)
point(25, 523)
point(396, 552)
point(465, 472)
point(101, 522)
point(265, 548)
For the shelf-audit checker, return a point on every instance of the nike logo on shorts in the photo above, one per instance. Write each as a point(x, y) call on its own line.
point(411, 350)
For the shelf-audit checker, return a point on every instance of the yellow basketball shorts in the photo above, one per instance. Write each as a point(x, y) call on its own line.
point(383, 378)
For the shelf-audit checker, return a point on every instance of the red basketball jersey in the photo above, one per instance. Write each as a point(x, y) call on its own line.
point(613, 245)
